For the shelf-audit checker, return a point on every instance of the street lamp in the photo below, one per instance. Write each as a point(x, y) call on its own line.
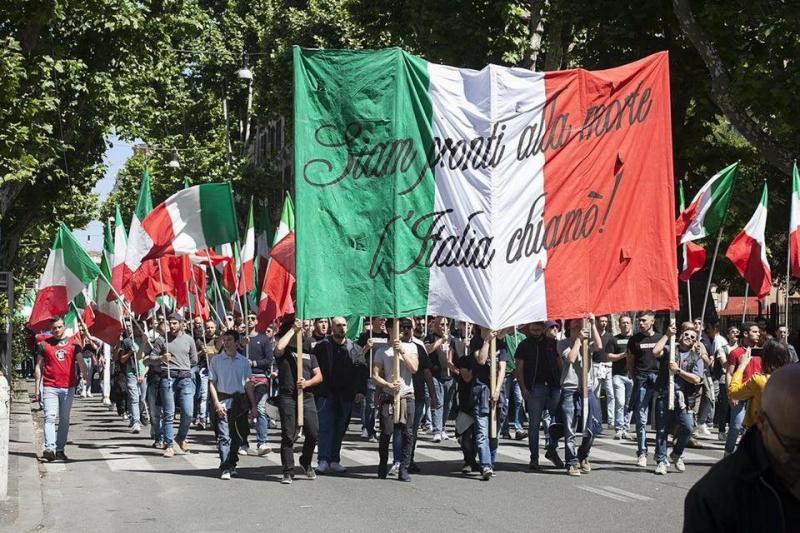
point(245, 73)
point(174, 163)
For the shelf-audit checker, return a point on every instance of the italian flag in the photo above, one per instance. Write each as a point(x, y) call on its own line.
point(748, 251)
point(118, 272)
point(190, 220)
point(498, 196)
point(706, 214)
point(68, 271)
point(794, 225)
point(138, 241)
point(276, 293)
point(694, 256)
point(247, 258)
point(107, 324)
point(264, 237)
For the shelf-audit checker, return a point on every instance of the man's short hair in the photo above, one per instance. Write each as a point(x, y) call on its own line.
point(749, 324)
point(648, 312)
point(233, 333)
point(55, 319)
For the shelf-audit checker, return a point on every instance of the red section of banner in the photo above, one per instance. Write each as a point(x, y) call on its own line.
point(614, 164)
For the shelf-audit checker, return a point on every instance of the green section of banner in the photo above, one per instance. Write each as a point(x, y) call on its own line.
point(362, 132)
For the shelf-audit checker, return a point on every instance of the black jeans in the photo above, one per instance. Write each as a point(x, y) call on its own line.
point(287, 405)
point(404, 432)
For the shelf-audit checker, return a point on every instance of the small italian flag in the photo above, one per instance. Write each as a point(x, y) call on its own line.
point(276, 294)
point(117, 256)
point(694, 256)
point(68, 271)
point(190, 220)
point(137, 245)
point(247, 258)
point(748, 251)
point(706, 214)
point(794, 225)
point(107, 324)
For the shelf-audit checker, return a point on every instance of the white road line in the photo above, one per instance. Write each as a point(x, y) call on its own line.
point(601, 492)
point(53, 468)
point(202, 461)
point(360, 457)
point(438, 454)
point(626, 493)
point(125, 458)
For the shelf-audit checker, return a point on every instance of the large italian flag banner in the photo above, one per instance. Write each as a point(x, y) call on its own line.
point(500, 196)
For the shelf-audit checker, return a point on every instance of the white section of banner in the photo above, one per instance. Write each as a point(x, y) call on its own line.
point(493, 104)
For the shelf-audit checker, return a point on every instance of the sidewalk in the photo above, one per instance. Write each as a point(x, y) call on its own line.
point(23, 509)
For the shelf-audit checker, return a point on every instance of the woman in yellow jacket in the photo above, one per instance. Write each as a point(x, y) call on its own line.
point(774, 355)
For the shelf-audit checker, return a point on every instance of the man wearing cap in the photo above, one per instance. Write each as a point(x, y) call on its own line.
point(178, 354)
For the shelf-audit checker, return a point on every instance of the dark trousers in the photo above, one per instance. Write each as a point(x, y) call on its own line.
point(287, 406)
point(401, 432)
point(468, 448)
point(231, 433)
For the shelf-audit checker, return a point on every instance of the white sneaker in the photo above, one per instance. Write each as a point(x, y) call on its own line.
point(323, 467)
point(661, 469)
point(264, 449)
point(364, 433)
point(618, 435)
point(243, 451)
point(437, 437)
point(702, 429)
point(337, 468)
point(678, 462)
point(136, 428)
point(226, 475)
point(393, 471)
point(445, 436)
point(83, 394)
point(89, 394)
point(642, 461)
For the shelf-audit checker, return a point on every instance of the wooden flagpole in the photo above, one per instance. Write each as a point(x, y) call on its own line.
point(672, 345)
point(493, 387)
point(744, 305)
point(710, 277)
point(298, 339)
point(163, 312)
point(396, 369)
point(788, 282)
point(585, 376)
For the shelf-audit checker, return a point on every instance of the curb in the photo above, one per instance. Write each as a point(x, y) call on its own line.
point(28, 498)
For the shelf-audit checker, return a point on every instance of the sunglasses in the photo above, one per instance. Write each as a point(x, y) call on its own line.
point(690, 336)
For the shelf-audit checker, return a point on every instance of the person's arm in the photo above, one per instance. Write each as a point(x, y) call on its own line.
point(284, 341)
point(316, 379)
point(573, 353)
point(431, 347)
point(192, 352)
point(37, 375)
point(378, 378)
point(125, 353)
point(690, 377)
point(82, 365)
point(410, 360)
point(598, 341)
point(361, 373)
point(630, 363)
point(736, 388)
point(501, 369)
point(658, 349)
point(482, 354)
point(249, 389)
point(431, 391)
point(519, 374)
point(218, 407)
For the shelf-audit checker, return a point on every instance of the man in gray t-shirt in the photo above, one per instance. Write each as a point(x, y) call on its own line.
point(178, 354)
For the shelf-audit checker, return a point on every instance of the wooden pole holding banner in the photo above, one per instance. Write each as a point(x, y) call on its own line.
point(672, 345)
point(298, 339)
point(163, 312)
point(585, 376)
point(493, 386)
point(788, 284)
point(744, 305)
point(396, 369)
point(689, 299)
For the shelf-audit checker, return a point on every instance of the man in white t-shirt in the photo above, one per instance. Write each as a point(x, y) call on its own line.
point(384, 376)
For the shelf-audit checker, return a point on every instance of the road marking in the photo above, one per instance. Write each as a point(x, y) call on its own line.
point(626, 493)
point(601, 492)
point(125, 458)
point(360, 457)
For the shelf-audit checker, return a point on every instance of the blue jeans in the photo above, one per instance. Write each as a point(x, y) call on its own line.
point(87, 384)
point(262, 420)
point(56, 403)
point(419, 407)
point(201, 395)
point(182, 391)
point(136, 397)
point(227, 445)
point(156, 411)
point(646, 393)
point(685, 428)
point(333, 414)
point(736, 421)
point(513, 402)
point(445, 390)
point(368, 410)
point(487, 446)
point(570, 402)
point(623, 385)
point(540, 398)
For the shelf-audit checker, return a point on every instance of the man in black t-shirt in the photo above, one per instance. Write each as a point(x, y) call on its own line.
point(288, 384)
point(644, 367)
point(421, 379)
point(538, 371)
point(259, 352)
point(370, 341)
point(616, 353)
point(440, 345)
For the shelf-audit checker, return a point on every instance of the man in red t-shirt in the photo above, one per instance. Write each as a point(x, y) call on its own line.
point(751, 335)
point(55, 385)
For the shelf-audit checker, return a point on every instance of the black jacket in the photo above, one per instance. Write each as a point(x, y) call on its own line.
point(740, 493)
point(344, 369)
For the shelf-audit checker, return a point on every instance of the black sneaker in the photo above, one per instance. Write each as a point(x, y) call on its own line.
point(466, 469)
point(534, 466)
point(403, 475)
point(553, 457)
point(61, 456)
point(520, 435)
point(413, 468)
point(49, 455)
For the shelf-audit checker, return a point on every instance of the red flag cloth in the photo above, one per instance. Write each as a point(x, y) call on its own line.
point(693, 261)
point(88, 316)
point(276, 295)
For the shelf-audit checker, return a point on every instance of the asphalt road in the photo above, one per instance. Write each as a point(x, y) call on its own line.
point(115, 481)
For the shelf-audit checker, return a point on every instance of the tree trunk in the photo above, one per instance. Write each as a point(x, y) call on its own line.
point(775, 154)
point(536, 28)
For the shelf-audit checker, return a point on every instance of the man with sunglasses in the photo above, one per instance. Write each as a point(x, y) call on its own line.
point(688, 369)
point(758, 487)
point(259, 352)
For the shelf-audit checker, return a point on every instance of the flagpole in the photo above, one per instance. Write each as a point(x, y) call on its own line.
point(239, 283)
point(216, 286)
point(164, 313)
point(689, 298)
point(189, 305)
point(788, 280)
point(710, 277)
point(744, 306)
point(672, 343)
